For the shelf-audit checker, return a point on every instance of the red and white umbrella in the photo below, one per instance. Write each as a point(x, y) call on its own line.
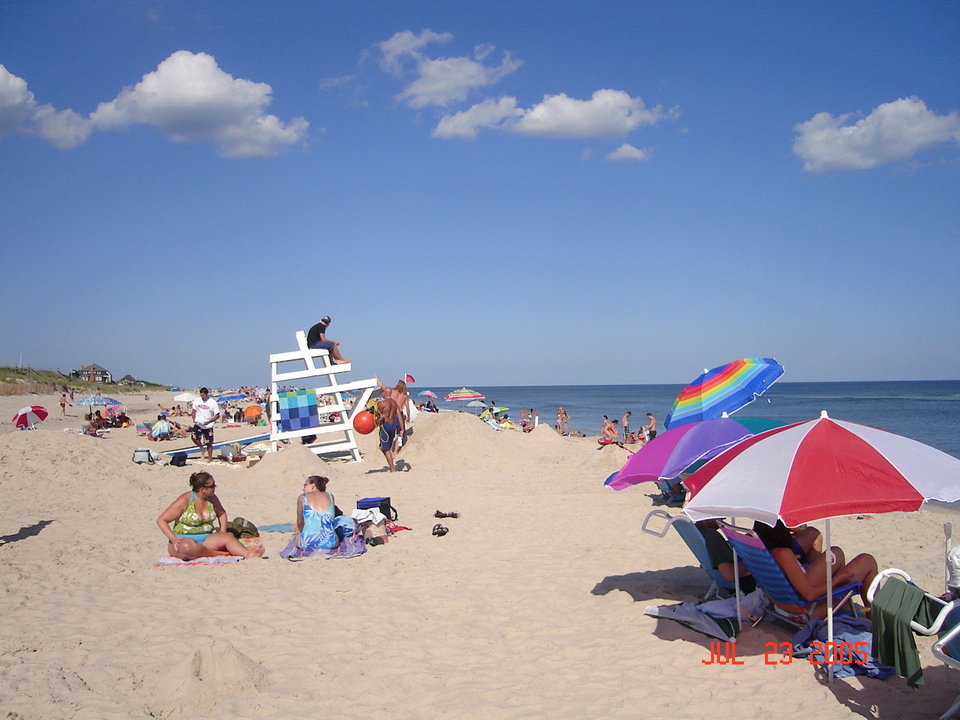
point(818, 470)
point(29, 416)
point(821, 469)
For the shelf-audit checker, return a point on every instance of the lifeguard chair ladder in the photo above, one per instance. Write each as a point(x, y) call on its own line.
point(303, 412)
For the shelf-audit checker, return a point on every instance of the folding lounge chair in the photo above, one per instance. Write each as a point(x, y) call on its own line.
point(945, 622)
point(947, 649)
point(690, 534)
point(770, 578)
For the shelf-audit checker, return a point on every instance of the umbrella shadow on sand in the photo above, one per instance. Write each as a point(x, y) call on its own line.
point(25, 532)
point(679, 584)
point(751, 646)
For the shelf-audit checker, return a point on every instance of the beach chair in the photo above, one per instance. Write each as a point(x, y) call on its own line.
point(947, 650)
point(926, 614)
point(749, 549)
point(690, 534)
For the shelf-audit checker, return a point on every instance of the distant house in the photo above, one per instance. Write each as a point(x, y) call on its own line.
point(131, 380)
point(93, 373)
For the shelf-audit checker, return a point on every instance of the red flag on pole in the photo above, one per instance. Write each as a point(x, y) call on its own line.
point(408, 378)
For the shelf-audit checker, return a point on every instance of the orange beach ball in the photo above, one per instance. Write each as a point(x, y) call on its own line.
point(364, 423)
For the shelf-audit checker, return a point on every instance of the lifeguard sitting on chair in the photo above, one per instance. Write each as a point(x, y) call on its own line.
point(317, 340)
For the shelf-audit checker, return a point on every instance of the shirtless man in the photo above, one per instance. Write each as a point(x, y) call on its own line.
point(651, 426)
point(625, 425)
point(391, 424)
point(609, 429)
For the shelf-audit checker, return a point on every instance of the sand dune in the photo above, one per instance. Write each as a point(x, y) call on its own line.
point(532, 604)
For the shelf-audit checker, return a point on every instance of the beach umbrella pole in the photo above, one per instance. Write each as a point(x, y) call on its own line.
point(829, 565)
point(947, 536)
point(736, 589)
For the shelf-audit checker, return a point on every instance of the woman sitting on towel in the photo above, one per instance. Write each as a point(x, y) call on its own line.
point(319, 530)
point(195, 516)
point(799, 556)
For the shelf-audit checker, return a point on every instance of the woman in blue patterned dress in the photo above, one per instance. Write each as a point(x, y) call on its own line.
point(319, 529)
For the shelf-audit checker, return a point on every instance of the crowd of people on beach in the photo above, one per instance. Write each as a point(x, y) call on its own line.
point(610, 433)
point(98, 421)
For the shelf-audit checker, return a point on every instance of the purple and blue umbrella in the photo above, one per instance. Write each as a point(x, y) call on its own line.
point(676, 450)
point(725, 389)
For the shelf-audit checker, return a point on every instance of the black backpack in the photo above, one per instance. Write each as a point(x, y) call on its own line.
point(179, 459)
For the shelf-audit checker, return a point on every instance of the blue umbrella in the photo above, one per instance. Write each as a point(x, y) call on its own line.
point(97, 400)
point(231, 396)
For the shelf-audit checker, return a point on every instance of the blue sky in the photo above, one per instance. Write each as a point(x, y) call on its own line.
point(497, 193)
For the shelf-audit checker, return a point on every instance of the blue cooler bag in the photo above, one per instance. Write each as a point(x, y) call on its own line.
point(381, 503)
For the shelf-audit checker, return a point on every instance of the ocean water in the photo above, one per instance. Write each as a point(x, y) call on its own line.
point(927, 411)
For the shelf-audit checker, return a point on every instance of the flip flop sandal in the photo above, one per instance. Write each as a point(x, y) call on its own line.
point(439, 514)
point(439, 530)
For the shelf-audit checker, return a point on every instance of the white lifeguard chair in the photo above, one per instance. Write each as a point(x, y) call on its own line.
point(300, 413)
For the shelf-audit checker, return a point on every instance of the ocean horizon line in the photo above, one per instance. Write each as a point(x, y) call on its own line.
point(777, 384)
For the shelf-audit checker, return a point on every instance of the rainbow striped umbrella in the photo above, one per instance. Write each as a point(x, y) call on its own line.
point(724, 389)
point(463, 394)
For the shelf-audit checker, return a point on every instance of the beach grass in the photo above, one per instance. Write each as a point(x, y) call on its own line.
point(25, 381)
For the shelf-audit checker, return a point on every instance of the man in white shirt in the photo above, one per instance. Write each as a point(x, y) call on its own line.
point(205, 412)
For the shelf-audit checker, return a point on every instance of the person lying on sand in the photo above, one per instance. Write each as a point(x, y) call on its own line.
point(194, 533)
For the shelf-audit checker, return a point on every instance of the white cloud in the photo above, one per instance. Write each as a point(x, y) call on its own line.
point(893, 131)
point(187, 97)
point(16, 102)
point(446, 80)
point(487, 114)
point(63, 129)
point(190, 99)
point(629, 152)
point(19, 112)
point(608, 113)
point(439, 81)
point(404, 46)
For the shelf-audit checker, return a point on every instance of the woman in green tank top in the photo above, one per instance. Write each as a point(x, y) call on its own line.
point(196, 516)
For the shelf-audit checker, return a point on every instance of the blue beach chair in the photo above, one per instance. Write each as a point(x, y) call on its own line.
point(947, 649)
point(690, 534)
point(770, 578)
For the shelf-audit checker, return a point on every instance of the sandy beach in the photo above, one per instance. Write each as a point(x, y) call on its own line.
point(531, 606)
